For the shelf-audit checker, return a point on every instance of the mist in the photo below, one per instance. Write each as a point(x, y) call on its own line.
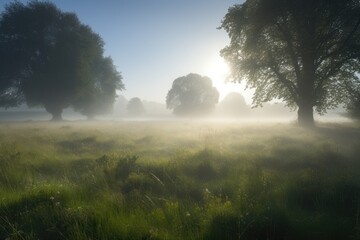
point(232, 109)
point(158, 120)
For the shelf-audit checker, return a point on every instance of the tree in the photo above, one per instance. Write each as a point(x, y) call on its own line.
point(234, 105)
point(135, 107)
point(353, 105)
point(192, 95)
point(99, 96)
point(48, 58)
point(120, 105)
point(299, 51)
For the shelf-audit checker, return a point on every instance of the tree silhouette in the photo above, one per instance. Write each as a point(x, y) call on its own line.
point(234, 105)
point(99, 97)
point(353, 105)
point(135, 107)
point(48, 58)
point(192, 95)
point(299, 51)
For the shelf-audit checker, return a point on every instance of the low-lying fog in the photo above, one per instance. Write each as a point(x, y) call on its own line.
point(153, 111)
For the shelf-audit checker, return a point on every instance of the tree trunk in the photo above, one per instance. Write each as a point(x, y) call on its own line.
point(306, 83)
point(306, 115)
point(56, 116)
point(55, 112)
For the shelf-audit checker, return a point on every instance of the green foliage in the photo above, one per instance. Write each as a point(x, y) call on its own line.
point(99, 95)
point(50, 59)
point(192, 95)
point(301, 52)
point(229, 182)
point(353, 104)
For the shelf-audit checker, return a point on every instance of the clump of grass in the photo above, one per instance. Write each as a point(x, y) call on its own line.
point(87, 144)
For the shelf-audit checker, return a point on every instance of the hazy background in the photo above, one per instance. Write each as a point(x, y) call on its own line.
point(154, 42)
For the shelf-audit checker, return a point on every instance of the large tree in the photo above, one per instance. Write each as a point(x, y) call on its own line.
point(99, 95)
point(49, 58)
point(192, 95)
point(300, 51)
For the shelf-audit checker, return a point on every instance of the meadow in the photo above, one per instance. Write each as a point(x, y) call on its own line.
point(179, 180)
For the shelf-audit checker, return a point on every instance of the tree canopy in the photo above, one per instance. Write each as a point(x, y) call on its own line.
point(100, 95)
point(135, 107)
point(192, 95)
point(49, 58)
point(302, 52)
point(353, 104)
point(234, 104)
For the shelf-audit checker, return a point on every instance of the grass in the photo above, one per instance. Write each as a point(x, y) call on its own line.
point(178, 180)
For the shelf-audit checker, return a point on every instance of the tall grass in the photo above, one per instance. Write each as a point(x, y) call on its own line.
point(178, 181)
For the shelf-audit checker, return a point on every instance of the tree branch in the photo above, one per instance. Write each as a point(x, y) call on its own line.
point(342, 43)
point(287, 83)
point(333, 69)
point(291, 50)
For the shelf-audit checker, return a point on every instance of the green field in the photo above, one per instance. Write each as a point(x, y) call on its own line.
point(179, 180)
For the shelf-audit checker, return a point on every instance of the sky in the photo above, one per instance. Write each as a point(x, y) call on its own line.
point(153, 42)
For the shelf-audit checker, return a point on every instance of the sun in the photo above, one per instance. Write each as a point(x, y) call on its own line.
point(218, 70)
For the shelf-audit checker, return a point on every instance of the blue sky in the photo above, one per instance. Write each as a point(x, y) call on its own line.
point(152, 42)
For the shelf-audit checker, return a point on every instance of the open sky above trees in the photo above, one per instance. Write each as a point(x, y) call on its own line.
point(154, 42)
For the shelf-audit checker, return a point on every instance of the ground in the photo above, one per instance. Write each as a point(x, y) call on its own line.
point(179, 180)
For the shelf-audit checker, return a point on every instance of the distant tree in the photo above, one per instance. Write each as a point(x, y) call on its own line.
point(135, 107)
point(155, 109)
point(120, 105)
point(48, 58)
point(299, 51)
point(192, 95)
point(234, 105)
